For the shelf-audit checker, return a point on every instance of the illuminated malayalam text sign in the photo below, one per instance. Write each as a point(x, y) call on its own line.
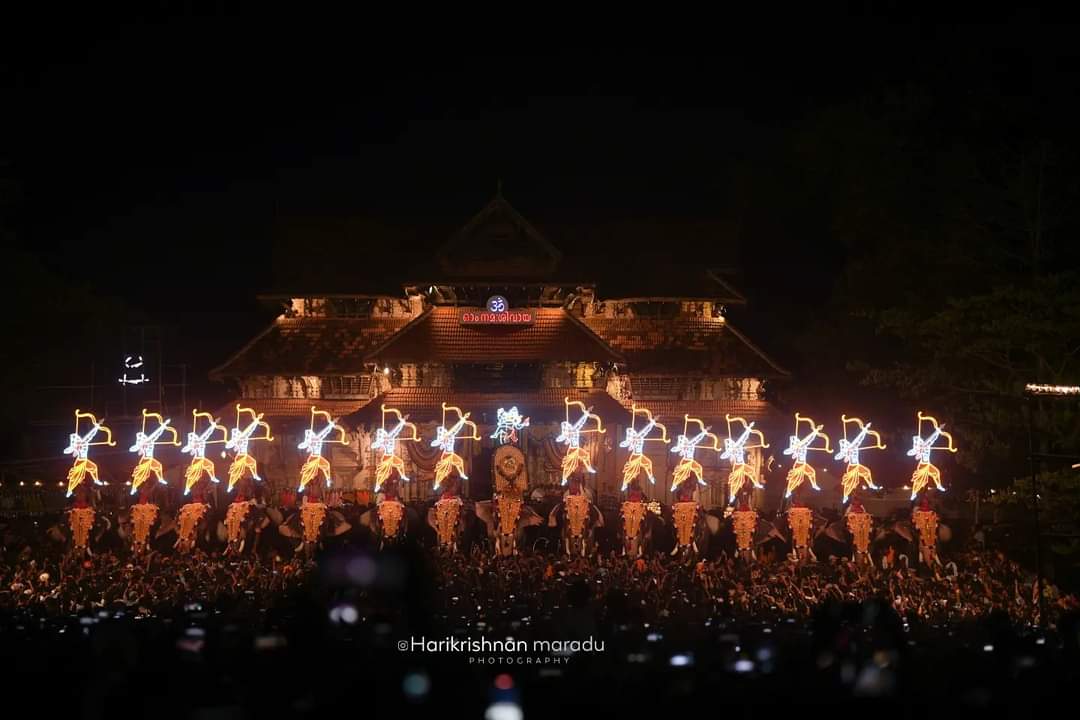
point(497, 312)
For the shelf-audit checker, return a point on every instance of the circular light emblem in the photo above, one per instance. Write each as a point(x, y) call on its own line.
point(497, 304)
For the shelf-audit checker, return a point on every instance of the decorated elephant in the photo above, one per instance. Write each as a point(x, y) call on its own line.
point(449, 516)
point(751, 531)
point(246, 518)
point(192, 522)
point(693, 527)
point(137, 524)
point(506, 515)
point(86, 525)
point(577, 517)
point(315, 521)
point(390, 520)
point(805, 526)
point(638, 520)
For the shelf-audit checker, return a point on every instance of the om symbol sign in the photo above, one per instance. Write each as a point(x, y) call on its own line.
point(497, 304)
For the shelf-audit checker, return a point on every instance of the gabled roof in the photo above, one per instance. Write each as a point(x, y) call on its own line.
point(424, 404)
point(439, 336)
point(310, 346)
point(498, 242)
point(684, 346)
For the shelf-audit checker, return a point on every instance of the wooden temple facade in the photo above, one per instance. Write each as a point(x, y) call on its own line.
point(655, 338)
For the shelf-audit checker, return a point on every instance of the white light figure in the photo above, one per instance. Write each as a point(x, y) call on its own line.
point(925, 471)
point(144, 446)
point(570, 434)
point(685, 446)
point(129, 365)
point(239, 439)
point(856, 472)
point(735, 451)
point(797, 448)
point(507, 423)
point(79, 448)
point(445, 439)
point(635, 443)
point(196, 447)
point(313, 443)
point(386, 441)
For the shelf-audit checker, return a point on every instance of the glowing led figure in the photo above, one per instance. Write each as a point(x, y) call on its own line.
point(144, 446)
point(196, 447)
point(238, 441)
point(856, 472)
point(79, 448)
point(635, 443)
point(313, 443)
point(386, 443)
point(445, 439)
point(925, 471)
point(735, 451)
point(686, 445)
point(570, 434)
point(797, 449)
point(507, 423)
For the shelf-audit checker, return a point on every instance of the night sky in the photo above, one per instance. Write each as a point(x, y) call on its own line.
point(180, 166)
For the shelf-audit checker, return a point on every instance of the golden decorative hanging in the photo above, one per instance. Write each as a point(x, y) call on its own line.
point(81, 519)
point(391, 513)
point(143, 516)
point(859, 525)
point(745, 522)
point(234, 520)
point(190, 517)
point(685, 514)
point(926, 522)
point(509, 509)
point(799, 520)
point(312, 515)
point(577, 512)
point(633, 513)
point(446, 519)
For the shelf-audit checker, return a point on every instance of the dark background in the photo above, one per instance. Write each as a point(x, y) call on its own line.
point(165, 168)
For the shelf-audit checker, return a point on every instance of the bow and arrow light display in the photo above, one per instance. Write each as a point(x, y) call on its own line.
point(239, 439)
point(686, 444)
point(79, 445)
point(635, 443)
point(145, 442)
point(507, 423)
point(386, 442)
point(925, 471)
point(797, 448)
point(445, 437)
point(196, 447)
point(856, 472)
point(313, 443)
point(735, 450)
point(570, 434)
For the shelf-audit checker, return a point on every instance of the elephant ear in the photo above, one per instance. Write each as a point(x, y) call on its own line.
point(766, 531)
point(275, 515)
point(836, 531)
point(168, 523)
point(944, 532)
point(222, 535)
point(431, 518)
point(713, 523)
point(368, 520)
point(341, 525)
point(530, 517)
point(287, 531)
point(903, 529)
point(484, 511)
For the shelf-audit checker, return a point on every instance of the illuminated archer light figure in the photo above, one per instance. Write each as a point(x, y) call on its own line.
point(570, 433)
point(144, 446)
point(507, 423)
point(926, 471)
point(386, 442)
point(196, 447)
point(685, 445)
point(635, 442)
point(797, 449)
point(856, 472)
point(445, 439)
point(239, 440)
point(313, 443)
point(735, 451)
point(79, 448)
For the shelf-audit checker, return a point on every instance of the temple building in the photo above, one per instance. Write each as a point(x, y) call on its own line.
point(501, 319)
